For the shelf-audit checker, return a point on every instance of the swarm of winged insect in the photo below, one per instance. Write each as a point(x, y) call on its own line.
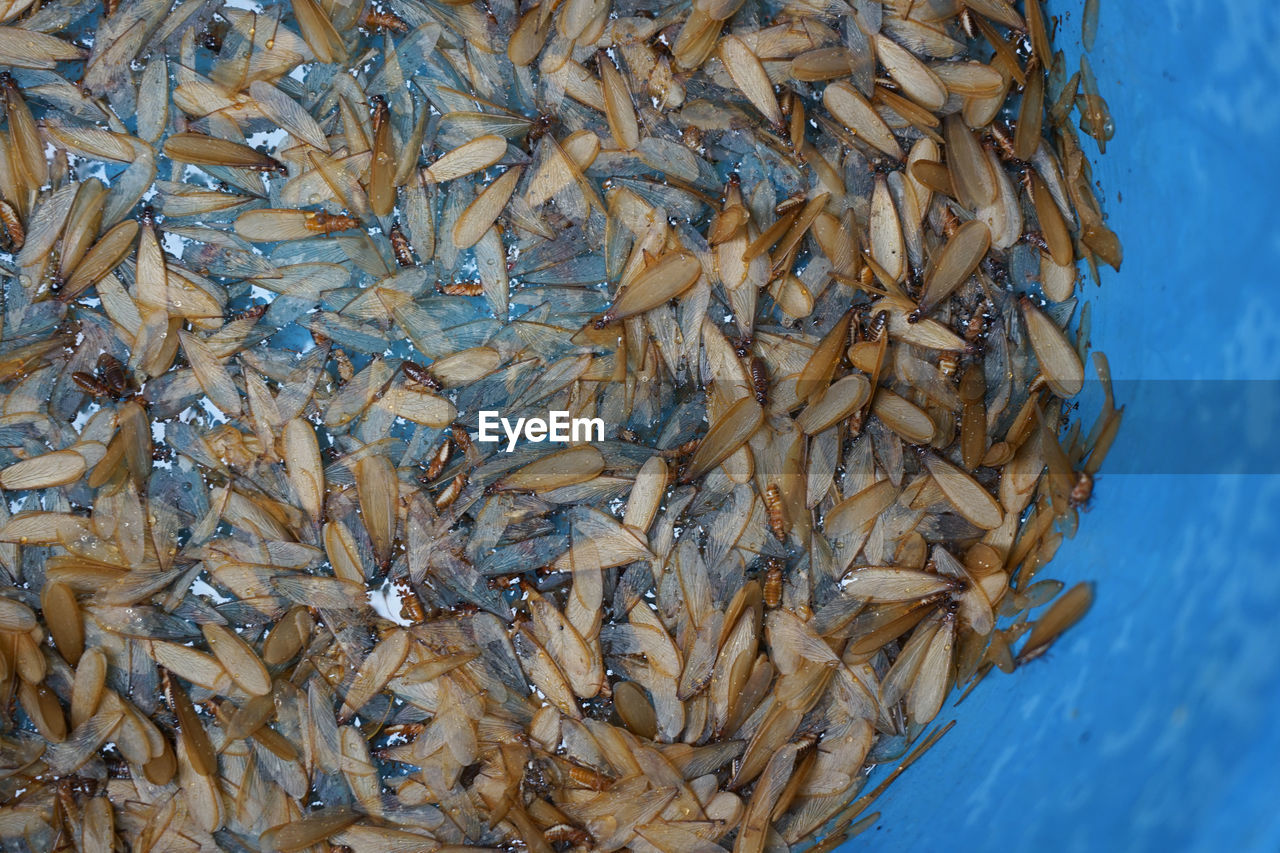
point(261, 588)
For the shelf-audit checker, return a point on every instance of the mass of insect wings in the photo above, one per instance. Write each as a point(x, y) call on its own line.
point(815, 265)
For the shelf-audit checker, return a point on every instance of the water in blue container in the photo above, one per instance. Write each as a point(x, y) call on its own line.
point(1151, 725)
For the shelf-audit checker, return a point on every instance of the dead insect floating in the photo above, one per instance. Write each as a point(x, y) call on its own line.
point(271, 275)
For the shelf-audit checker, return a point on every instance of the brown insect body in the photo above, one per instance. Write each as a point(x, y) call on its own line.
point(977, 323)
point(461, 439)
point(463, 288)
point(381, 114)
point(15, 234)
point(774, 511)
point(1003, 140)
point(90, 384)
point(438, 461)
point(760, 380)
point(110, 379)
point(681, 450)
point(377, 19)
point(772, 588)
point(323, 222)
point(113, 374)
point(1082, 490)
point(212, 36)
point(542, 125)
point(421, 375)
point(346, 369)
point(410, 605)
point(876, 329)
point(1035, 238)
point(400, 246)
point(255, 313)
point(451, 492)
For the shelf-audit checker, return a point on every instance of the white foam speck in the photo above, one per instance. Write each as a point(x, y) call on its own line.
point(386, 602)
point(200, 587)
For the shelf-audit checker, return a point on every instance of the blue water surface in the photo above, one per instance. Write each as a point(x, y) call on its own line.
point(1152, 725)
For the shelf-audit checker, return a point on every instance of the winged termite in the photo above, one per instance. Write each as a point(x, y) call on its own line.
point(472, 156)
point(646, 496)
point(973, 417)
point(555, 470)
point(965, 494)
point(821, 364)
point(969, 169)
point(529, 36)
point(477, 218)
point(271, 225)
point(923, 333)
point(287, 636)
point(933, 176)
point(62, 615)
point(382, 165)
point(287, 114)
point(15, 616)
point(971, 79)
point(24, 138)
point(750, 77)
point(771, 235)
point(824, 63)
point(840, 400)
point(858, 511)
point(917, 80)
point(905, 111)
point(1059, 363)
point(666, 278)
point(378, 488)
point(100, 259)
point(887, 246)
point(465, 366)
point(44, 471)
point(239, 659)
point(211, 374)
point(301, 454)
point(618, 108)
point(375, 671)
point(195, 666)
point(909, 421)
point(626, 641)
point(202, 150)
point(562, 166)
point(884, 584)
point(304, 832)
point(1053, 227)
point(958, 259)
point(1066, 611)
point(854, 111)
point(41, 705)
point(251, 716)
point(318, 30)
point(22, 48)
point(99, 830)
point(1104, 243)
point(1030, 116)
point(199, 750)
point(1095, 115)
point(730, 432)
